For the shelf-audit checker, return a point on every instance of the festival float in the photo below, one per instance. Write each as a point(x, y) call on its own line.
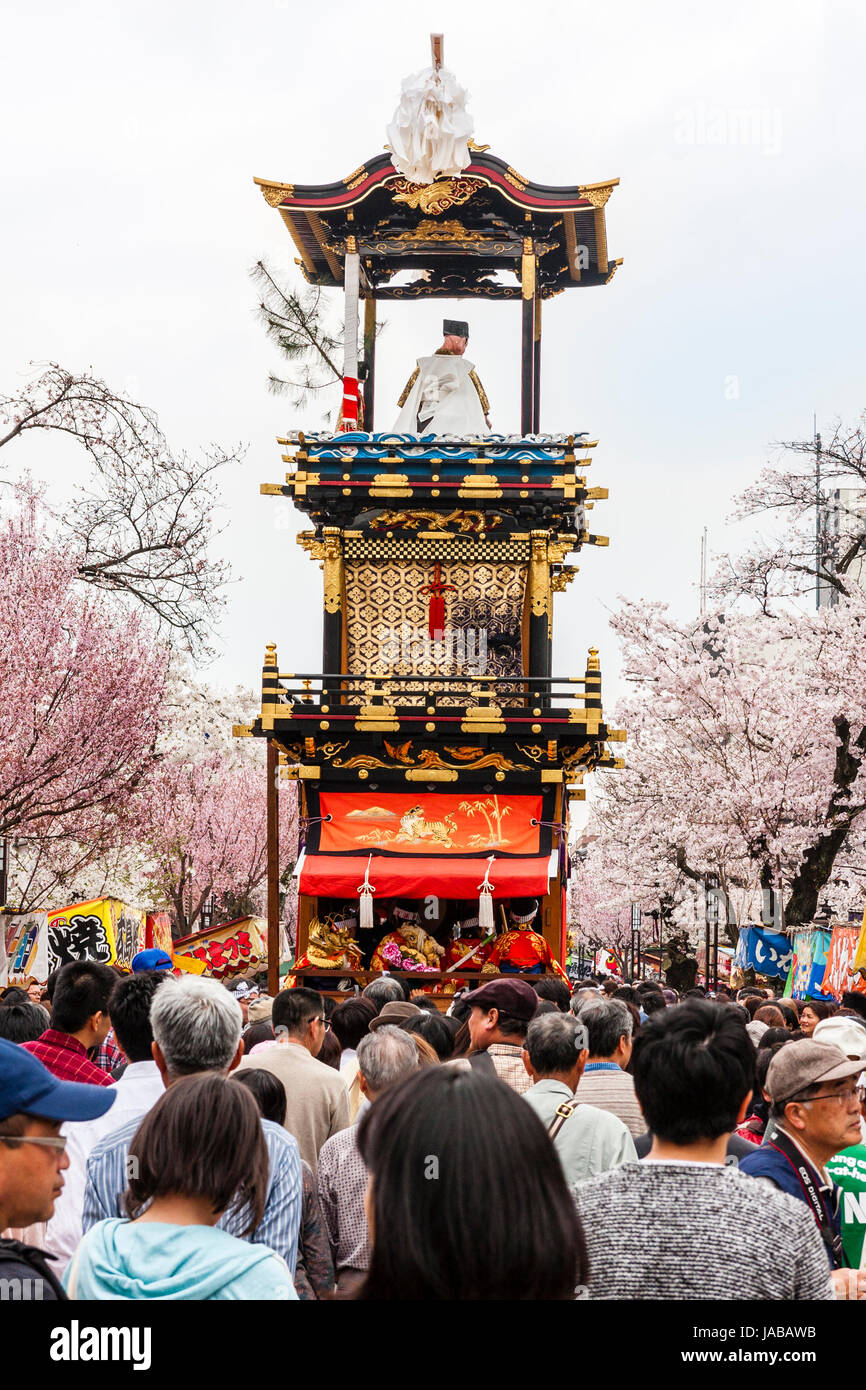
point(436, 750)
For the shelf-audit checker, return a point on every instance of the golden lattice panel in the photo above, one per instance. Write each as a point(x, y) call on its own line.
point(387, 619)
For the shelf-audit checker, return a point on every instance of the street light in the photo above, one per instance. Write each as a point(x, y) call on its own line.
point(636, 915)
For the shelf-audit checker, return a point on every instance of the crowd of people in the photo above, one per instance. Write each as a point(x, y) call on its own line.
point(164, 1137)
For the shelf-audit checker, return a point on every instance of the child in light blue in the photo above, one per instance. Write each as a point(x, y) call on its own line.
point(198, 1151)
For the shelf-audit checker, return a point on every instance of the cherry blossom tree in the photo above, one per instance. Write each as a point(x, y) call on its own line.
point(82, 686)
point(90, 855)
point(143, 525)
point(205, 830)
point(745, 762)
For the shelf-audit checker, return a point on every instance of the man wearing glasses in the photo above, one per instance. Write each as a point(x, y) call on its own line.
point(814, 1112)
point(33, 1105)
point(317, 1097)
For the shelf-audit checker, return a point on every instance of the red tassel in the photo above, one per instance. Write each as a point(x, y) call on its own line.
point(350, 403)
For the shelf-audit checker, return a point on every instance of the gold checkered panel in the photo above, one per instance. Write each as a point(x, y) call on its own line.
point(459, 549)
point(387, 619)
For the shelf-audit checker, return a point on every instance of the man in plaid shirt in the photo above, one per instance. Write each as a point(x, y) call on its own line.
point(109, 1056)
point(80, 1020)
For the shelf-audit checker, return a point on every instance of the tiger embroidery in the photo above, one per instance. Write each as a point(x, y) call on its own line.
point(413, 826)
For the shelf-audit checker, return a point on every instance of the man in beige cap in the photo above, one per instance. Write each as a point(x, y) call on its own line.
point(814, 1112)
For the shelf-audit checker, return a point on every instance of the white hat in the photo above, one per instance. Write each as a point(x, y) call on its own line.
point(846, 1034)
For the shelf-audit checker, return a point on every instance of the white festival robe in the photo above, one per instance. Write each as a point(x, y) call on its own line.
point(443, 390)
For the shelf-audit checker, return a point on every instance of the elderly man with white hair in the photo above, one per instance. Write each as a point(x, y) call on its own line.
point(197, 1028)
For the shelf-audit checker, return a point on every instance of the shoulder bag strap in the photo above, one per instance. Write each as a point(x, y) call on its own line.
point(562, 1113)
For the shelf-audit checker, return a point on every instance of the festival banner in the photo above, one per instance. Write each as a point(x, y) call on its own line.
point(608, 961)
point(103, 929)
point(429, 823)
point(810, 962)
point(25, 936)
point(767, 952)
point(860, 954)
point(231, 949)
point(130, 933)
point(840, 973)
point(158, 931)
point(82, 931)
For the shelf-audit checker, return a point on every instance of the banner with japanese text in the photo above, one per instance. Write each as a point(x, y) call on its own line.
point(840, 973)
point(103, 929)
point(767, 952)
point(25, 936)
point(231, 949)
point(810, 962)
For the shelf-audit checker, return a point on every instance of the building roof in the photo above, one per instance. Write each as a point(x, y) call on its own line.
point(461, 236)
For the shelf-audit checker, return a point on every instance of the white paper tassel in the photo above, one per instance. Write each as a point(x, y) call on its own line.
point(485, 901)
point(429, 134)
point(365, 892)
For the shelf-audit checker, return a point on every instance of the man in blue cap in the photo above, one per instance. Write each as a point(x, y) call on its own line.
point(154, 958)
point(33, 1105)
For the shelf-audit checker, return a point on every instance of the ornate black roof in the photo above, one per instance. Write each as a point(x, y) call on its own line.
point(460, 236)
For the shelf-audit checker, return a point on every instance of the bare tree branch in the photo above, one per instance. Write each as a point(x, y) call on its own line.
point(144, 522)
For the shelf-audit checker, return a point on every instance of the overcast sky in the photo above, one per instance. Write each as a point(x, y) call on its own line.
point(132, 133)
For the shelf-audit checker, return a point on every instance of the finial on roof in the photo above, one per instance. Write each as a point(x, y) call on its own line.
point(431, 128)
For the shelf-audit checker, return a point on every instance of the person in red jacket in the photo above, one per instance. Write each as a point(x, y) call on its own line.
point(520, 950)
point(79, 1021)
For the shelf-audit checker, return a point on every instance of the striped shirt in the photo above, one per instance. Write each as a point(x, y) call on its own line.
point(678, 1230)
point(106, 1184)
point(608, 1087)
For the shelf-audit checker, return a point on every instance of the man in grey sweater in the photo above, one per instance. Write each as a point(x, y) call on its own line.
point(681, 1224)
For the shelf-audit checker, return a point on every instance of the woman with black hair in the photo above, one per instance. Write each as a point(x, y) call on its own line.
point(446, 1149)
point(815, 1011)
point(434, 1030)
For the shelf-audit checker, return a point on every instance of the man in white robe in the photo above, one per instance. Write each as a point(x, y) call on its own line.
point(444, 395)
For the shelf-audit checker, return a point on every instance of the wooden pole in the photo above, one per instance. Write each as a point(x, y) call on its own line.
point(369, 362)
point(351, 286)
point(536, 368)
point(527, 341)
point(273, 813)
